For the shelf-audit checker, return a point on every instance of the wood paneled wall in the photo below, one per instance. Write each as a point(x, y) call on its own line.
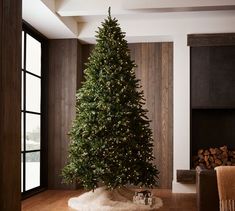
point(155, 69)
point(10, 78)
point(63, 79)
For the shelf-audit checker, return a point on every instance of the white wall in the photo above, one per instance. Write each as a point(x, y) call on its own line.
point(175, 27)
point(181, 110)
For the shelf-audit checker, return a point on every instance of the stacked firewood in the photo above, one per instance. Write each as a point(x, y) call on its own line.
point(212, 157)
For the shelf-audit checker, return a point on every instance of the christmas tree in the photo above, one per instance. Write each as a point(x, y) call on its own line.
point(111, 140)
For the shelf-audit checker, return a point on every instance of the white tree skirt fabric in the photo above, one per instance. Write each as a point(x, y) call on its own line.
point(119, 199)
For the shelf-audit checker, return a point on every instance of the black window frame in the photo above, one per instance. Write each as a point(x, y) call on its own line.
point(28, 29)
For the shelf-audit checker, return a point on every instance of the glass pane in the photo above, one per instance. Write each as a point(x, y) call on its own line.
point(22, 131)
point(33, 93)
point(32, 131)
point(22, 172)
point(32, 167)
point(22, 90)
point(33, 55)
point(22, 48)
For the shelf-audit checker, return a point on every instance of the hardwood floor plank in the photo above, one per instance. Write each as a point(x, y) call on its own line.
point(56, 200)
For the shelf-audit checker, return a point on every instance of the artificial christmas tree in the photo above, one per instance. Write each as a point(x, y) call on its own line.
point(111, 141)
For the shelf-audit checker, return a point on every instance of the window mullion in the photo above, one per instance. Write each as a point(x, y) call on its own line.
point(24, 116)
point(34, 150)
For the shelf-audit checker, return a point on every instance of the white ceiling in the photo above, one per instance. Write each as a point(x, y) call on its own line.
point(67, 18)
point(129, 7)
point(46, 21)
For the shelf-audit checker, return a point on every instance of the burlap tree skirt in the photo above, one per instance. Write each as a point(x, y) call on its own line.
point(119, 199)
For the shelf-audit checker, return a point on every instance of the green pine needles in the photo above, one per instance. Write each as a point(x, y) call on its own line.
point(111, 141)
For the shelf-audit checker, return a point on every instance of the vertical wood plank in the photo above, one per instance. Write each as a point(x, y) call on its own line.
point(164, 112)
point(10, 106)
point(157, 112)
point(79, 66)
point(170, 110)
point(165, 104)
point(86, 50)
point(64, 79)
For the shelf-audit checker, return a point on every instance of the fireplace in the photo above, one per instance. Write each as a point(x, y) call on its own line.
point(212, 128)
point(212, 91)
point(212, 97)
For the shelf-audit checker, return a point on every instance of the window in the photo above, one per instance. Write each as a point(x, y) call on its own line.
point(31, 115)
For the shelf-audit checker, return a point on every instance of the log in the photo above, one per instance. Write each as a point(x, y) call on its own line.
point(206, 152)
point(186, 176)
point(200, 151)
point(212, 151)
point(212, 157)
point(224, 148)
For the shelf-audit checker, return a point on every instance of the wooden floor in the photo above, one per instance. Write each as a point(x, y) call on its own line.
point(56, 200)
